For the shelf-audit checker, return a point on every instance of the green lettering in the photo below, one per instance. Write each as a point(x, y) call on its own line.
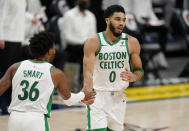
point(124, 55)
point(120, 64)
point(101, 64)
point(113, 55)
point(33, 75)
point(41, 75)
point(105, 56)
point(115, 64)
point(110, 55)
point(100, 56)
point(105, 65)
point(118, 55)
point(112, 62)
point(37, 74)
point(109, 65)
point(25, 73)
point(29, 73)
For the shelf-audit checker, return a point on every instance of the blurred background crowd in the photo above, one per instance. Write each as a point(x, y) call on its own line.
point(161, 26)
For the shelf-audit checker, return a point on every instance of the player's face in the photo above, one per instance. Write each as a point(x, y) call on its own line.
point(117, 23)
point(52, 52)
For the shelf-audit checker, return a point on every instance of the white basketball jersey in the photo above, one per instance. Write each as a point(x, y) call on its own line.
point(32, 88)
point(110, 61)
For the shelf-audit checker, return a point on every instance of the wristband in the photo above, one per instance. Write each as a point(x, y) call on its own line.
point(74, 98)
point(141, 70)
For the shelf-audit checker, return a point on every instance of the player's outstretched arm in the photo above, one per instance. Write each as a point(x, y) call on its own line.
point(6, 80)
point(90, 48)
point(136, 64)
point(59, 80)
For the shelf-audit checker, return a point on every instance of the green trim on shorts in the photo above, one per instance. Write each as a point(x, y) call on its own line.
point(50, 104)
point(100, 129)
point(108, 129)
point(89, 118)
point(46, 123)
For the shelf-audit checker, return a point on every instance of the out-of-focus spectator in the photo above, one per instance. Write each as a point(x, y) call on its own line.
point(35, 7)
point(148, 21)
point(63, 7)
point(12, 26)
point(78, 24)
point(127, 4)
point(149, 24)
point(34, 18)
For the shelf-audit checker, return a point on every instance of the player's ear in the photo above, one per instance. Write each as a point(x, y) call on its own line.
point(107, 20)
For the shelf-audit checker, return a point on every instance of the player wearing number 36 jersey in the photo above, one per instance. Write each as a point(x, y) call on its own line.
point(33, 83)
point(111, 61)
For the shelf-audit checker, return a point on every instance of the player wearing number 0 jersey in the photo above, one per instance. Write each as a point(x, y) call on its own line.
point(33, 83)
point(111, 61)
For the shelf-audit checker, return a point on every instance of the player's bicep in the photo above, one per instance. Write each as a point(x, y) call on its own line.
point(89, 55)
point(136, 62)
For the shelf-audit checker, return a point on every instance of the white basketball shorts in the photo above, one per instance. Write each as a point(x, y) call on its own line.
point(107, 112)
point(30, 121)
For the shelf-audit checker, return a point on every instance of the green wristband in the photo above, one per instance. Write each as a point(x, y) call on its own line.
point(141, 70)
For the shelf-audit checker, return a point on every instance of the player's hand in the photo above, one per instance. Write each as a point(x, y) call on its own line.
point(128, 76)
point(89, 97)
point(88, 102)
point(2, 44)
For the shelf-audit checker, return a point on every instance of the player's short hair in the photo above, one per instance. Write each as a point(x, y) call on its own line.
point(40, 43)
point(112, 9)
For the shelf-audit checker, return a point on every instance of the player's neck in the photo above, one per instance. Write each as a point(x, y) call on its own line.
point(40, 59)
point(109, 35)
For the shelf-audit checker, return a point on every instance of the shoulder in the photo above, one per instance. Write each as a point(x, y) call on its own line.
point(69, 12)
point(57, 72)
point(133, 44)
point(14, 66)
point(93, 38)
point(58, 77)
point(92, 43)
point(12, 69)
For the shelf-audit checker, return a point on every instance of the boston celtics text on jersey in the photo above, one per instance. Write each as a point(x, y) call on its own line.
point(112, 60)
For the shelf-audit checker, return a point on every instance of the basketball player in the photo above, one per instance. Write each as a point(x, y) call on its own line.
point(111, 61)
point(33, 83)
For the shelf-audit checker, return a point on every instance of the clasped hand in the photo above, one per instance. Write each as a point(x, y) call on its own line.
point(89, 97)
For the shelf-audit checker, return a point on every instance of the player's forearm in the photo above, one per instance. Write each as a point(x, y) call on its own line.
point(88, 81)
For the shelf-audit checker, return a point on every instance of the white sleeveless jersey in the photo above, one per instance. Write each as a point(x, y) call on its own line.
point(32, 88)
point(110, 61)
